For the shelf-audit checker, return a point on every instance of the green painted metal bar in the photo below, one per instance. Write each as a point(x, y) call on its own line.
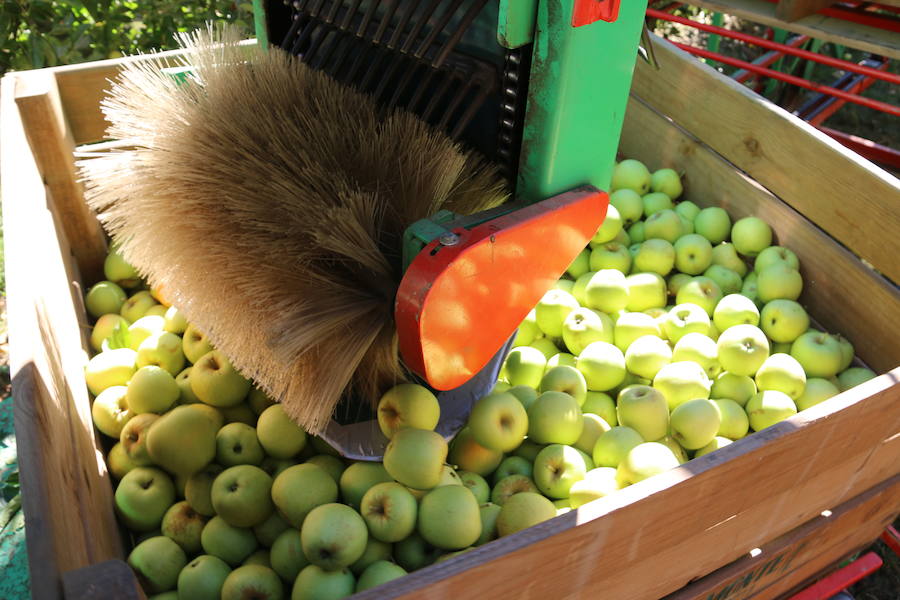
point(515, 27)
point(814, 46)
point(772, 85)
point(718, 19)
point(259, 23)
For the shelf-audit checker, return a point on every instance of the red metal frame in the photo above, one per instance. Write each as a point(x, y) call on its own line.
point(891, 537)
point(871, 150)
point(857, 88)
point(586, 12)
point(860, 12)
point(842, 578)
point(771, 57)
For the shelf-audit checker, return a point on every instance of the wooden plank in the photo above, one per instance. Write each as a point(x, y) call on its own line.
point(829, 29)
point(850, 198)
point(829, 270)
point(109, 580)
point(779, 565)
point(791, 10)
point(52, 146)
point(67, 496)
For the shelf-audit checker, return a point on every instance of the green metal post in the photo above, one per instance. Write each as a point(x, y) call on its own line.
point(259, 24)
point(772, 85)
point(815, 46)
point(714, 38)
point(578, 90)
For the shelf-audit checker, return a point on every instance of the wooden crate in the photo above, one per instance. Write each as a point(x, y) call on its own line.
point(753, 520)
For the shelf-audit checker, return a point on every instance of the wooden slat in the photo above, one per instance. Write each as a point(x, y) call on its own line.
point(844, 194)
point(781, 564)
point(829, 29)
point(791, 10)
point(838, 287)
point(109, 580)
point(52, 146)
point(67, 496)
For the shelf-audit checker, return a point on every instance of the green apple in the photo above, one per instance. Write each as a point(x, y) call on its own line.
point(584, 326)
point(818, 353)
point(695, 423)
point(528, 330)
point(645, 291)
point(776, 254)
point(693, 254)
point(714, 224)
point(734, 423)
point(526, 395)
point(679, 452)
point(175, 322)
point(299, 489)
point(778, 281)
point(378, 573)
point(727, 280)
point(198, 489)
point(645, 410)
point(610, 228)
point(675, 281)
point(103, 298)
point(162, 350)
point(847, 352)
point(449, 518)
point(142, 498)
point(718, 442)
point(152, 389)
point(216, 382)
point(768, 407)
point(560, 359)
point(252, 581)
point(278, 435)
point(612, 447)
point(816, 390)
point(414, 552)
point(685, 318)
point(563, 378)
point(268, 531)
point(597, 483)
point(525, 366)
point(751, 235)
point(735, 309)
point(631, 174)
point(104, 328)
point(242, 495)
point(110, 411)
point(743, 349)
point(668, 182)
point(594, 427)
point(655, 256)
point(603, 366)
point(143, 328)
point(552, 310)
point(687, 210)
point(134, 439)
point(647, 355)
point(407, 405)
point(183, 441)
point(682, 381)
point(489, 513)
point(611, 255)
point(183, 524)
point(687, 226)
point(781, 372)
point(632, 325)
point(700, 349)
point(854, 376)
point(564, 285)
point(109, 368)
point(194, 343)
point(117, 269)
point(511, 485)
point(157, 562)
point(315, 583)
point(580, 265)
point(725, 255)
point(636, 233)
point(334, 536)
point(469, 455)
point(554, 418)
point(137, 306)
point(389, 510)
point(523, 511)
point(600, 404)
point(118, 462)
point(546, 347)
point(655, 202)
point(157, 310)
point(203, 578)
point(606, 291)
point(238, 444)
point(414, 457)
point(665, 224)
point(644, 461)
point(239, 413)
point(499, 421)
point(749, 287)
point(186, 394)
point(229, 543)
point(286, 555)
point(702, 291)
point(359, 478)
point(629, 204)
point(477, 484)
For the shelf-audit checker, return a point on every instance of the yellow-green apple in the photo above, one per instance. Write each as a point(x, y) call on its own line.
point(105, 326)
point(525, 366)
point(103, 298)
point(449, 518)
point(469, 455)
point(134, 438)
point(552, 310)
point(647, 355)
point(258, 558)
point(606, 291)
point(675, 281)
point(655, 202)
point(110, 411)
point(623, 238)
point(713, 223)
point(229, 543)
point(528, 330)
point(286, 555)
point(778, 281)
point(584, 326)
point(816, 390)
point(749, 287)
point(702, 291)
point(278, 435)
point(377, 573)
point(631, 174)
point(375, 550)
point(143, 328)
point(157, 310)
point(511, 465)
point(183, 524)
point(501, 386)
point(693, 254)
point(489, 513)
point(523, 511)
point(818, 353)
point(612, 446)
point(334, 536)
point(389, 510)
point(152, 389)
point(611, 255)
point(687, 210)
point(198, 489)
point(359, 478)
point(768, 407)
point(186, 394)
point(597, 483)
point(645, 291)
point(478, 485)
point(546, 347)
point(594, 427)
point(216, 382)
point(718, 442)
point(679, 452)
point(162, 350)
point(157, 562)
point(242, 495)
point(195, 343)
point(560, 359)
point(499, 421)
point(414, 457)
point(633, 325)
point(629, 204)
point(687, 226)
point(252, 581)
point(511, 485)
point(299, 489)
point(739, 388)
point(668, 182)
point(733, 421)
point(118, 462)
point(137, 306)
point(725, 255)
point(610, 228)
point(854, 376)
point(751, 235)
point(644, 461)
point(314, 582)
point(557, 467)
point(143, 496)
point(655, 256)
point(776, 254)
point(564, 285)
point(563, 378)
point(580, 265)
point(268, 531)
point(117, 269)
point(735, 309)
point(682, 381)
point(183, 440)
point(603, 366)
point(781, 372)
point(578, 288)
point(174, 321)
point(109, 368)
point(683, 319)
point(665, 224)
point(239, 413)
point(636, 233)
point(727, 280)
point(414, 552)
point(526, 395)
point(846, 351)
point(643, 409)
point(700, 349)
point(601, 404)
point(237, 444)
point(554, 418)
point(695, 423)
point(203, 577)
point(743, 349)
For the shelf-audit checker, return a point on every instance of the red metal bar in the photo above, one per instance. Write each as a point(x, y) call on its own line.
point(891, 536)
point(862, 17)
point(770, 57)
point(757, 41)
point(857, 88)
point(840, 579)
point(885, 156)
point(798, 81)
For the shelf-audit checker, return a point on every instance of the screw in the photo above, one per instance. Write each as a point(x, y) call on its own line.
point(448, 239)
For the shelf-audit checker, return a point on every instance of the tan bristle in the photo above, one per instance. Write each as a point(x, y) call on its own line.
point(270, 202)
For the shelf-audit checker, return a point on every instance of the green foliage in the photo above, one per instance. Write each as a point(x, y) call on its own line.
point(38, 33)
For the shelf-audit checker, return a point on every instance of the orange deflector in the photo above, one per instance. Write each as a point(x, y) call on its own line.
point(457, 304)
